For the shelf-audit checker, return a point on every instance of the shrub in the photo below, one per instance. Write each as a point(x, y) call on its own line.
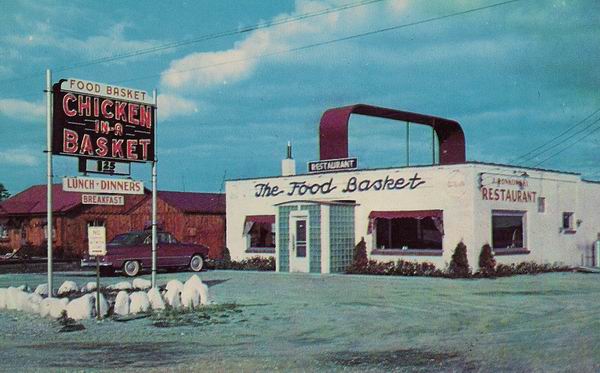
point(487, 263)
point(529, 268)
point(256, 263)
point(360, 253)
point(400, 268)
point(459, 265)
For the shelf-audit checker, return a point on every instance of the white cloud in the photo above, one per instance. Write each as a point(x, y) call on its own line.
point(22, 110)
point(206, 69)
point(170, 106)
point(19, 156)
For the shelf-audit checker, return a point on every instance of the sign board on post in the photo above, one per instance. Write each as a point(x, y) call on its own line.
point(100, 199)
point(95, 120)
point(95, 185)
point(96, 241)
point(330, 165)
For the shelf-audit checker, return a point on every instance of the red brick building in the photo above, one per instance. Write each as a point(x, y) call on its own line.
point(190, 217)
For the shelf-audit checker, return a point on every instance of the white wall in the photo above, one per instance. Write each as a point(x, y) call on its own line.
point(453, 189)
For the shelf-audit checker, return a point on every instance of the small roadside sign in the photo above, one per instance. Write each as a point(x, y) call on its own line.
point(96, 241)
point(100, 199)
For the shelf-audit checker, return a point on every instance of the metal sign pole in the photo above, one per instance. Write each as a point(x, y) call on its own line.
point(98, 316)
point(154, 161)
point(49, 174)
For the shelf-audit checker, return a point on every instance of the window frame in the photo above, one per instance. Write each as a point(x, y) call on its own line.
point(404, 250)
point(260, 249)
point(510, 250)
point(569, 217)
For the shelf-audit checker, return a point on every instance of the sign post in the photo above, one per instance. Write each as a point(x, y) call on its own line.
point(97, 248)
point(154, 236)
point(49, 117)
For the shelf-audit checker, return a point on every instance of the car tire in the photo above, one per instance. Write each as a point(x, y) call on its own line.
point(131, 268)
point(196, 263)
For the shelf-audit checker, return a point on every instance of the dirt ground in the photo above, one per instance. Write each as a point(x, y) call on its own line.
point(305, 322)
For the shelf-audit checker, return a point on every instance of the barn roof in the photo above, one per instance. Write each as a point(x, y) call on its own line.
point(210, 203)
point(32, 201)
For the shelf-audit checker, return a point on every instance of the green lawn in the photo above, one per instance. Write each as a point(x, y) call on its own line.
point(269, 321)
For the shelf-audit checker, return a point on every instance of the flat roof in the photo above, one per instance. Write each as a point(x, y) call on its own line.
point(415, 166)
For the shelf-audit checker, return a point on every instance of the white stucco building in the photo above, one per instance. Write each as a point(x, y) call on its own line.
point(311, 222)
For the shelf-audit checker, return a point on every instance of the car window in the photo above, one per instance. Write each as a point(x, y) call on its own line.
point(165, 237)
point(125, 239)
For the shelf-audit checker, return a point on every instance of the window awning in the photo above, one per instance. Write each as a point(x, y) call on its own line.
point(419, 214)
point(436, 215)
point(270, 219)
point(261, 219)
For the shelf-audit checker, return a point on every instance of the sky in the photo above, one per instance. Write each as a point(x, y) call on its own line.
point(237, 80)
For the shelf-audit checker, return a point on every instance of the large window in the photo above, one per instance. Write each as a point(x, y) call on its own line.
point(3, 232)
point(260, 233)
point(508, 230)
point(408, 230)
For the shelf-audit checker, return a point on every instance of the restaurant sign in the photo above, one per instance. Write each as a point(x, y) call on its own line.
point(95, 185)
point(100, 121)
point(506, 189)
point(331, 165)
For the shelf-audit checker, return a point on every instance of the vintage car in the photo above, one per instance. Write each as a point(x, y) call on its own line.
point(131, 252)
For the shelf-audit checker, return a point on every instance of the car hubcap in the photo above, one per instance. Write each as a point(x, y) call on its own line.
point(196, 262)
point(131, 267)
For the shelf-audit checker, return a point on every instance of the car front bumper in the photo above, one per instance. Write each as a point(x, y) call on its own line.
point(87, 263)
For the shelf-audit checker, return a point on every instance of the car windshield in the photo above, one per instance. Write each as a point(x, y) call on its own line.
point(129, 239)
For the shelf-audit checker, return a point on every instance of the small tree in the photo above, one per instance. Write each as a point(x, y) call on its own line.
point(4, 194)
point(360, 254)
point(459, 265)
point(487, 263)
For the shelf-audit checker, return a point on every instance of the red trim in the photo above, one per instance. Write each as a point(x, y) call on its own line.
point(270, 219)
point(408, 252)
point(419, 214)
point(333, 131)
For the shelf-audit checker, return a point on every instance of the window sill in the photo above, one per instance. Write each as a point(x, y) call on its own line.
point(569, 231)
point(516, 251)
point(408, 252)
point(260, 250)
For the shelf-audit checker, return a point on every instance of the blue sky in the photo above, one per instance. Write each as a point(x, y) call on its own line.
point(515, 76)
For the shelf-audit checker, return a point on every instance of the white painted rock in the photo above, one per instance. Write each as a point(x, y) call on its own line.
point(172, 298)
point(138, 302)
point(89, 287)
point(24, 288)
point(67, 287)
point(57, 307)
point(33, 305)
point(122, 303)
point(3, 295)
point(156, 301)
point(142, 284)
point(81, 308)
point(204, 295)
point(174, 285)
point(123, 285)
point(42, 289)
point(190, 298)
point(200, 287)
point(16, 299)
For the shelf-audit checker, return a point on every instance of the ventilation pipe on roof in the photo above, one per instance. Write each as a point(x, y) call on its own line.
point(288, 165)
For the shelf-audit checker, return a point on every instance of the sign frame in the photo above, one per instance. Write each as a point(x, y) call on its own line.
point(105, 122)
point(325, 163)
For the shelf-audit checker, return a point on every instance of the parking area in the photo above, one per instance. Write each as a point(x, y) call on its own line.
point(271, 321)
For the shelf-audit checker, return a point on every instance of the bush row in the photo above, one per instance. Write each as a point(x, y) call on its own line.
point(256, 263)
point(458, 267)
